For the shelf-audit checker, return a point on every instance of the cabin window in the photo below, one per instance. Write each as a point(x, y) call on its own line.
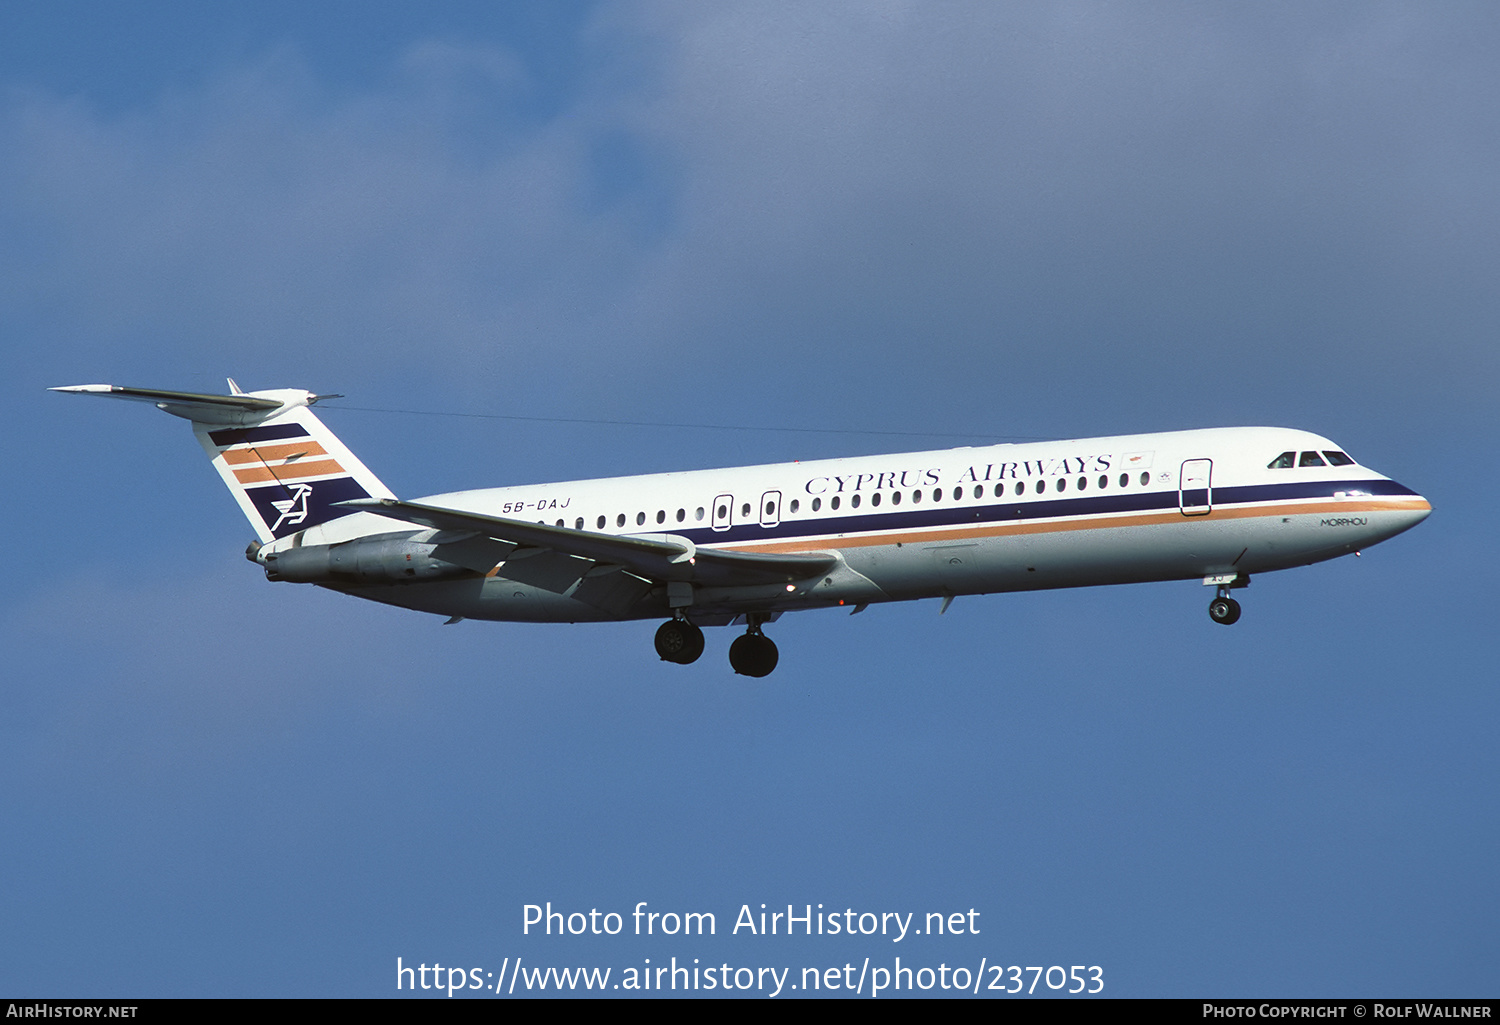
point(937, 494)
point(579, 524)
point(1041, 486)
point(661, 516)
point(833, 503)
point(723, 512)
point(620, 520)
point(1145, 479)
point(1020, 487)
point(916, 497)
point(1062, 484)
point(699, 514)
point(681, 515)
point(1337, 458)
point(1285, 461)
point(1083, 483)
point(875, 498)
point(854, 502)
point(794, 505)
point(1103, 481)
point(895, 498)
point(559, 523)
point(1124, 480)
point(978, 490)
point(1311, 459)
point(817, 504)
point(601, 523)
point(640, 519)
point(999, 490)
point(745, 510)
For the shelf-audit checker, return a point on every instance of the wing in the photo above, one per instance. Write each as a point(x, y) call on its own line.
point(660, 557)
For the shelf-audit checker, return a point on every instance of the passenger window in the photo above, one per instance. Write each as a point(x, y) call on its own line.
point(1285, 461)
point(895, 498)
point(937, 494)
point(661, 516)
point(640, 519)
point(681, 515)
point(1124, 480)
point(999, 490)
point(794, 505)
point(833, 503)
point(745, 510)
point(1062, 483)
point(723, 513)
point(559, 523)
point(817, 504)
point(1041, 486)
point(875, 498)
point(1311, 459)
point(699, 514)
point(579, 524)
point(916, 497)
point(620, 521)
point(854, 502)
point(1103, 481)
point(1336, 458)
point(1020, 487)
point(1145, 479)
point(601, 523)
point(1083, 483)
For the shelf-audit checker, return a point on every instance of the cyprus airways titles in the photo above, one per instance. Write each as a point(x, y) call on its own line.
point(744, 545)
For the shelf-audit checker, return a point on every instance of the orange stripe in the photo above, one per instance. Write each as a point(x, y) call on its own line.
point(287, 471)
point(1091, 523)
point(271, 453)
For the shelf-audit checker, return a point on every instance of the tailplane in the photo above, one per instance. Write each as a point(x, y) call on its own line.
point(283, 466)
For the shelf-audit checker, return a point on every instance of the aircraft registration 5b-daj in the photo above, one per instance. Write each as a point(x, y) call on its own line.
point(746, 544)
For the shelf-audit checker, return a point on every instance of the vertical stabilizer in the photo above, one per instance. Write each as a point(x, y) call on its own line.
point(283, 466)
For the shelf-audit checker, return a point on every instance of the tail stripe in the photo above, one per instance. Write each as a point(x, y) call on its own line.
point(241, 436)
point(267, 453)
point(288, 471)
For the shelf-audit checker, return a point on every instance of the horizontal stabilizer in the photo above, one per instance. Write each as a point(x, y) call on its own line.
point(664, 557)
point(171, 401)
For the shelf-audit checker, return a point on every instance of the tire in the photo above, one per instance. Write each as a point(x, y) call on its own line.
point(753, 655)
point(1225, 611)
point(679, 641)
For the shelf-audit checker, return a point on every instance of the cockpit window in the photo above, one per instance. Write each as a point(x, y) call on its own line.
point(1284, 461)
point(1311, 459)
point(1338, 459)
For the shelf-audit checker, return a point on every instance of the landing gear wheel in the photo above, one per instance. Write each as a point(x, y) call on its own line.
point(1224, 610)
point(679, 641)
point(753, 654)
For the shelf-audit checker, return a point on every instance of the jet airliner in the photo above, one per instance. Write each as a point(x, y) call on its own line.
point(746, 544)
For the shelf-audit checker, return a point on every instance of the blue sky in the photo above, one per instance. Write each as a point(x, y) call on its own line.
point(1031, 220)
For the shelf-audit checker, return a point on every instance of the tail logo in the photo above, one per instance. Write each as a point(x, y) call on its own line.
point(293, 510)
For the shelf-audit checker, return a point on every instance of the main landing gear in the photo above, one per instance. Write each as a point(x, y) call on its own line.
point(1224, 609)
point(679, 641)
point(753, 653)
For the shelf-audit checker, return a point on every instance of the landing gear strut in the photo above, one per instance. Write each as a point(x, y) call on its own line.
point(1224, 609)
point(753, 653)
point(679, 641)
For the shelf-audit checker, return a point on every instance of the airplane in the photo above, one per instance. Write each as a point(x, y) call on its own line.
point(746, 544)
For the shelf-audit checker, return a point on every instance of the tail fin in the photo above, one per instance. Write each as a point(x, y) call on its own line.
point(283, 466)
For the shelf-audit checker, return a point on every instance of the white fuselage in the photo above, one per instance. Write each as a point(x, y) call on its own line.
point(1181, 505)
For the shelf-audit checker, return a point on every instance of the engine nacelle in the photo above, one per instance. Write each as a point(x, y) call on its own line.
point(385, 560)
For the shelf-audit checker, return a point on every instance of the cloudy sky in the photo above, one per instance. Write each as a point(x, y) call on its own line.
point(872, 227)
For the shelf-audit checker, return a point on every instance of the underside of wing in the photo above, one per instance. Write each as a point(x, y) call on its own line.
point(570, 555)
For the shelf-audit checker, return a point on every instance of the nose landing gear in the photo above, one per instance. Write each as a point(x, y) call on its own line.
point(679, 641)
point(753, 653)
point(1224, 609)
